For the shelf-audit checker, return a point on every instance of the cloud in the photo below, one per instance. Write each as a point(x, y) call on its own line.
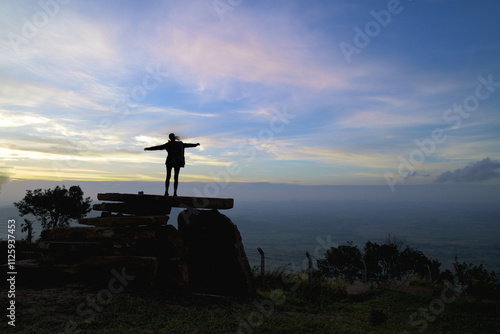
point(172, 112)
point(3, 180)
point(20, 119)
point(480, 171)
point(237, 58)
point(383, 119)
point(4, 175)
point(77, 91)
point(417, 175)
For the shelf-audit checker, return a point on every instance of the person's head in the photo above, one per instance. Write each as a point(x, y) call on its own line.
point(173, 137)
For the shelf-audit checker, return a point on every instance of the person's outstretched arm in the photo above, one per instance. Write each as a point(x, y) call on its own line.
point(156, 148)
point(191, 145)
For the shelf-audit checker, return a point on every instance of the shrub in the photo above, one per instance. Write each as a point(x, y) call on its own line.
point(54, 207)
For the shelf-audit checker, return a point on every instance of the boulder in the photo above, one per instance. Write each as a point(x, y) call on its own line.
point(216, 259)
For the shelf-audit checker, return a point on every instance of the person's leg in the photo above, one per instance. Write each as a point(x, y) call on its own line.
point(167, 180)
point(176, 178)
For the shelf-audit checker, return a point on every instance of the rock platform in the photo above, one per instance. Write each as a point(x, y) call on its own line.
point(205, 254)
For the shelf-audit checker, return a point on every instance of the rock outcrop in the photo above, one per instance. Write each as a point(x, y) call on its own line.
point(205, 255)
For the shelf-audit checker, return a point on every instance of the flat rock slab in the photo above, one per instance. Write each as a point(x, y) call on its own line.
point(124, 221)
point(137, 208)
point(86, 248)
point(81, 233)
point(139, 271)
point(170, 201)
point(113, 273)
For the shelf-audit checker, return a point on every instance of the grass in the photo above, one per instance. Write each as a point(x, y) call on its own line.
point(282, 306)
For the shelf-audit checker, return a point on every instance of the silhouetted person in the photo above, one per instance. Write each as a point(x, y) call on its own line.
point(175, 158)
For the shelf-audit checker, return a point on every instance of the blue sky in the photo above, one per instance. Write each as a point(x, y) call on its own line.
point(303, 92)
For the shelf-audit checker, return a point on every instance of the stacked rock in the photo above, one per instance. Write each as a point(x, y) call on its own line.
point(205, 255)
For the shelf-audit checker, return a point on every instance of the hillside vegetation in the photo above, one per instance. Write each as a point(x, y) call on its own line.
point(284, 304)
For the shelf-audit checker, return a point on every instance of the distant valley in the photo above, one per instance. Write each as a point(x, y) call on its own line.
point(439, 230)
point(285, 230)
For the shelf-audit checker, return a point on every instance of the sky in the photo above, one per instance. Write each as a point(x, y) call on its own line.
point(337, 92)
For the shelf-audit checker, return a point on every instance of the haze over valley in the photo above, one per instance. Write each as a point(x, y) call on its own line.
point(288, 220)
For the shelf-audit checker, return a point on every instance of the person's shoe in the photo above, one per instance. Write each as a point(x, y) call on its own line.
point(166, 193)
